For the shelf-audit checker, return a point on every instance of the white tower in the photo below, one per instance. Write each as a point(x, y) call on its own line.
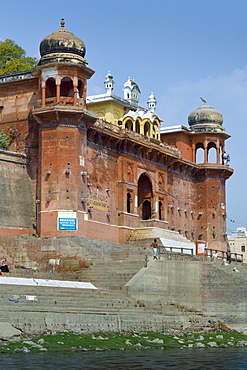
point(109, 83)
point(152, 103)
point(131, 92)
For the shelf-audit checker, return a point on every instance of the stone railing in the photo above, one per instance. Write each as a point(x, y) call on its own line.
point(103, 125)
point(215, 254)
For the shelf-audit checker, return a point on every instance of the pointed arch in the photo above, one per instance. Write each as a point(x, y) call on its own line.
point(80, 88)
point(129, 201)
point(211, 149)
point(147, 129)
point(199, 152)
point(138, 126)
point(160, 210)
point(66, 87)
point(50, 91)
point(145, 196)
point(129, 125)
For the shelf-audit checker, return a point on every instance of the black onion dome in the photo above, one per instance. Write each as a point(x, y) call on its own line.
point(62, 42)
point(205, 114)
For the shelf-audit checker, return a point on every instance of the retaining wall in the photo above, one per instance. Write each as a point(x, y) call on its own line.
point(216, 290)
point(17, 201)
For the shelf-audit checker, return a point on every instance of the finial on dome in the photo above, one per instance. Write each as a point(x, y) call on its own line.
point(203, 100)
point(62, 22)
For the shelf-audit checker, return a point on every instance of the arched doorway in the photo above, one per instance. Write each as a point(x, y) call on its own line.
point(146, 210)
point(160, 210)
point(128, 203)
point(145, 196)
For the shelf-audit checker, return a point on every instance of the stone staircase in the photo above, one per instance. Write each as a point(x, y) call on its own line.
point(144, 236)
point(92, 310)
point(111, 266)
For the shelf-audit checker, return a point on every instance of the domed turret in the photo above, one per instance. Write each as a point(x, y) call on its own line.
point(62, 46)
point(109, 83)
point(131, 92)
point(152, 102)
point(206, 118)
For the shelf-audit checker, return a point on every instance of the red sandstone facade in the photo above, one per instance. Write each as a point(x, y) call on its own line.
point(100, 180)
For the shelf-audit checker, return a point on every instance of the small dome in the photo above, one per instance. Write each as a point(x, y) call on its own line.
point(205, 114)
point(130, 83)
point(62, 43)
point(205, 118)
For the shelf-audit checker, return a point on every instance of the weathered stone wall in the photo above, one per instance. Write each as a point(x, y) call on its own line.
point(213, 288)
point(38, 322)
point(29, 251)
point(17, 201)
point(223, 292)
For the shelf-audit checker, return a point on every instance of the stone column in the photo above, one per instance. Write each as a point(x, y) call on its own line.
point(75, 91)
point(205, 151)
point(218, 152)
point(58, 92)
point(75, 98)
point(58, 84)
point(84, 95)
point(193, 153)
point(43, 90)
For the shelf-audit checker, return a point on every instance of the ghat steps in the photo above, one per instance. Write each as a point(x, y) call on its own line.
point(89, 310)
point(111, 266)
point(167, 238)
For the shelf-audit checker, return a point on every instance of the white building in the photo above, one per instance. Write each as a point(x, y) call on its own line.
point(238, 242)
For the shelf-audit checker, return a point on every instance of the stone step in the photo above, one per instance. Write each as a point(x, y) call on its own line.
point(152, 232)
point(46, 304)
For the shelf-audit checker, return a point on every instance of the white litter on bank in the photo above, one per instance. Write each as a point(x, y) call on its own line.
point(47, 283)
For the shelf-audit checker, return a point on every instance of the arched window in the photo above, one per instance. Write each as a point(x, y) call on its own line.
point(147, 129)
point(155, 130)
point(128, 202)
point(80, 88)
point(160, 210)
point(211, 153)
point(138, 126)
point(50, 90)
point(145, 196)
point(66, 87)
point(199, 153)
point(129, 125)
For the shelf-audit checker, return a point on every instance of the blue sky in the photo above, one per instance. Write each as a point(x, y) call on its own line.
point(179, 49)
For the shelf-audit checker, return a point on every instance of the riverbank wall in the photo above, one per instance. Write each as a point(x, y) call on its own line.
point(180, 292)
point(208, 286)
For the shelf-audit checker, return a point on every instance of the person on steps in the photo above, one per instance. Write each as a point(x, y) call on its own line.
point(155, 247)
point(4, 266)
point(228, 257)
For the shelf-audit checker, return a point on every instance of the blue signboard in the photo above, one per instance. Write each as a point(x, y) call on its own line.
point(67, 224)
